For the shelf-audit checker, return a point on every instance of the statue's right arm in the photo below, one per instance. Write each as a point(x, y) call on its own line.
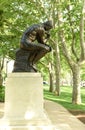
point(34, 46)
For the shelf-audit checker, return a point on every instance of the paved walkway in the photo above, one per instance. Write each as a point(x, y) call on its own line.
point(62, 118)
point(59, 116)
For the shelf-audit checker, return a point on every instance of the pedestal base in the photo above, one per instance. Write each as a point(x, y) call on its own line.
point(24, 103)
point(29, 128)
point(26, 125)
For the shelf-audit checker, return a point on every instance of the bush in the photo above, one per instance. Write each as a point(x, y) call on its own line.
point(2, 93)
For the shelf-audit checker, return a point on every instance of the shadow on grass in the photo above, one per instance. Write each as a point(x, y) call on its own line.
point(65, 99)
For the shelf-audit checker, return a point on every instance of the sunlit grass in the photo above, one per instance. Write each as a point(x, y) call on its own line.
point(65, 98)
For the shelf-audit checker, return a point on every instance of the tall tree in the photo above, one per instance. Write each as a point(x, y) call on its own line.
point(72, 55)
point(55, 41)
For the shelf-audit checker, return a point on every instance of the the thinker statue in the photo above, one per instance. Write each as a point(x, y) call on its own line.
point(32, 47)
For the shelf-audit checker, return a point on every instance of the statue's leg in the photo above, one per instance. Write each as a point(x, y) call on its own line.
point(37, 51)
point(38, 54)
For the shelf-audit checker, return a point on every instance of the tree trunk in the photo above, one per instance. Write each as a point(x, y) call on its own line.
point(57, 66)
point(57, 70)
point(51, 78)
point(76, 95)
point(1, 80)
point(51, 83)
point(1, 68)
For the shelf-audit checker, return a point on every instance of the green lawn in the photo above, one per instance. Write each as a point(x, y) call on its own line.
point(65, 98)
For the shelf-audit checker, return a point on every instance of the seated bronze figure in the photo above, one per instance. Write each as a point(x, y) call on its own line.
point(32, 47)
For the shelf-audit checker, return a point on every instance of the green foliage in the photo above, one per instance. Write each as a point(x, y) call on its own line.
point(65, 98)
point(2, 93)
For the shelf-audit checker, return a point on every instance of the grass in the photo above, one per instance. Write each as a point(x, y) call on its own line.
point(65, 98)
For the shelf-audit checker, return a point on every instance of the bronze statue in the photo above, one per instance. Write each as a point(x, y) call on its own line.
point(29, 52)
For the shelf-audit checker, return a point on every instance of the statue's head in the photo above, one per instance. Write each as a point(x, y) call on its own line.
point(48, 25)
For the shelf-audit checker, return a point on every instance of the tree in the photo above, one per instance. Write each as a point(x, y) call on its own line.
point(55, 41)
point(74, 55)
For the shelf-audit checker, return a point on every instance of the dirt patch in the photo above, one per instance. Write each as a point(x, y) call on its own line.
point(78, 114)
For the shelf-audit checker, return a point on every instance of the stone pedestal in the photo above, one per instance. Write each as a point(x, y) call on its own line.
point(24, 103)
